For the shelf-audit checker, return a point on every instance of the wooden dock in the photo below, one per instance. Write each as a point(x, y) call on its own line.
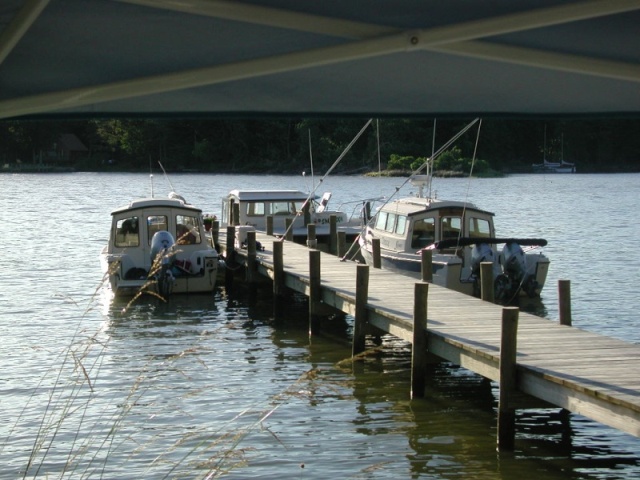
point(582, 372)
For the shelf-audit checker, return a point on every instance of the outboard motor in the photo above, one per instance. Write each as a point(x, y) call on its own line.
point(514, 265)
point(161, 244)
point(513, 262)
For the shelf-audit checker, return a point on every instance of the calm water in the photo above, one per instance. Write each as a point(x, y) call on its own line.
point(210, 384)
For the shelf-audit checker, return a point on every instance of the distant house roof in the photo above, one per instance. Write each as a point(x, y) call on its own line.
point(72, 143)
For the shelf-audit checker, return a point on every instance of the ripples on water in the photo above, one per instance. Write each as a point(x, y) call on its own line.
point(213, 384)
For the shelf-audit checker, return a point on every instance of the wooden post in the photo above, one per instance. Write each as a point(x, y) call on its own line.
point(306, 209)
point(333, 234)
point(487, 292)
point(508, 380)
point(215, 233)
point(419, 347)
point(251, 257)
point(270, 225)
point(230, 254)
point(230, 212)
point(564, 302)
point(426, 265)
point(375, 251)
point(236, 214)
point(367, 212)
point(288, 222)
point(278, 278)
point(312, 242)
point(360, 320)
point(314, 291)
point(342, 244)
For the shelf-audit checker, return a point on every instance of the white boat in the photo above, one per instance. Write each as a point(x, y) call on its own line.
point(158, 245)
point(461, 236)
point(255, 206)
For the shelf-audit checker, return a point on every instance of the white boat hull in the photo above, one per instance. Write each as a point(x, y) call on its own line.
point(448, 269)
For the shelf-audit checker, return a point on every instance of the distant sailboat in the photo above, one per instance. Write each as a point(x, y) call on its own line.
point(553, 167)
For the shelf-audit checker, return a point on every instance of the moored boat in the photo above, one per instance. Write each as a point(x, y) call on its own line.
point(461, 237)
point(159, 246)
point(254, 207)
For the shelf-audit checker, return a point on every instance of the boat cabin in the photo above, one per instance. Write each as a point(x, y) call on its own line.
point(409, 225)
point(134, 225)
point(256, 205)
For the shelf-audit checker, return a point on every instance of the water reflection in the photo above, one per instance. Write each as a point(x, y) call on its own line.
point(211, 365)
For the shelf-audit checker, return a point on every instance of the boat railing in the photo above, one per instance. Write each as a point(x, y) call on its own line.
point(356, 207)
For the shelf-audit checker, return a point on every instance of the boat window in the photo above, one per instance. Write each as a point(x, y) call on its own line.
point(391, 220)
point(450, 227)
point(187, 231)
point(401, 224)
point(283, 208)
point(424, 232)
point(479, 227)
point(255, 209)
point(155, 223)
point(381, 220)
point(127, 234)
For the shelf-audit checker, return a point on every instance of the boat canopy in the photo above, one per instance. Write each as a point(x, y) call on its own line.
point(269, 195)
point(416, 206)
point(156, 202)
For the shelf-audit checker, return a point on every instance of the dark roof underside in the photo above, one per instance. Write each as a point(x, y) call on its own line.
point(304, 58)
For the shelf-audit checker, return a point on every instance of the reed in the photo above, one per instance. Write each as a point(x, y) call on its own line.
point(91, 441)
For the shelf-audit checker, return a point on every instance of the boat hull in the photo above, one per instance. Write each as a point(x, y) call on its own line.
point(201, 280)
point(447, 269)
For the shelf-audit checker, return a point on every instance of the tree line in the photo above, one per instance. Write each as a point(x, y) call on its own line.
point(292, 145)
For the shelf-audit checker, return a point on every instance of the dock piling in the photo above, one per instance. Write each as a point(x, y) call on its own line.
point(508, 384)
point(270, 225)
point(564, 302)
point(360, 320)
point(375, 251)
point(312, 242)
point(314, 291)
point(236, 214)
point(333, 234)
point(229, 254)
point(288, 225)
point(306, 209)
point(487, 292)
point(215, 233)
point(278, 278)
point(342, 244)
point(426, 265)
point(251, 257)
point(419, 348)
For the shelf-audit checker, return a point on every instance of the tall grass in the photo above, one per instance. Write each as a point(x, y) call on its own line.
point(80, 433)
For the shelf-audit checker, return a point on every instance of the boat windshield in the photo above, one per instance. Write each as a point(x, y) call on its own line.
point(424, 232)
point(391, 222)
point(187, 231)
point(156, 223)
point(285, 208)
point(127, 234)
point(450, 227)
point(479, 227)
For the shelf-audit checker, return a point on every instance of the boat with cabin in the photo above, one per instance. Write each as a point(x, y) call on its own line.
point(254, 208)
point(159, 246)
point(461, 237)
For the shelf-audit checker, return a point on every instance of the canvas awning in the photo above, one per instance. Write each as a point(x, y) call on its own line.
point(303, 58)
